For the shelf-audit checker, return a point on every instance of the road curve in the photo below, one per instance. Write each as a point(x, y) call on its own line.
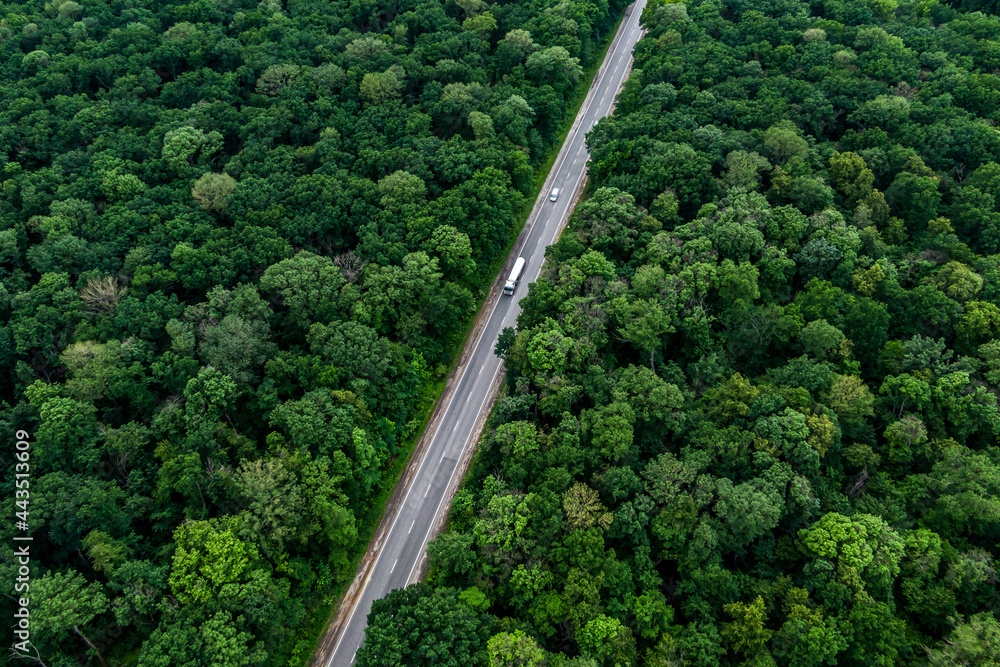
point(396, 564)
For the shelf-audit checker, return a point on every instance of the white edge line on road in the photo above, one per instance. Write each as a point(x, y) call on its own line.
point(406, 497)
point(423, 544)
point(451, 399)
point(552, 178)
point(582, 145)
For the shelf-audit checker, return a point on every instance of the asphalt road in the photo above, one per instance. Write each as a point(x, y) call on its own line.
point(396, 565)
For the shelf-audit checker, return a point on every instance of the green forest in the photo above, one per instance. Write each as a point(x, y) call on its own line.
point(750, 414)
point(240, 243)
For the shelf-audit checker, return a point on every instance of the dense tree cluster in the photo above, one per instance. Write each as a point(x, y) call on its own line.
point(751, 412)
point(238, 240)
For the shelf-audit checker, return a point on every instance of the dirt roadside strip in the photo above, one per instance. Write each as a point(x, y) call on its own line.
point(350, 598)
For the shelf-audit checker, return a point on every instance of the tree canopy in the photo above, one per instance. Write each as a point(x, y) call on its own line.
point(239, 244)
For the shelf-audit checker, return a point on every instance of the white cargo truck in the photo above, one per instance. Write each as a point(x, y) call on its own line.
point(514, 278)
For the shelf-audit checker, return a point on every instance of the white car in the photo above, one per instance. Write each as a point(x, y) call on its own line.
point(555, 194)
